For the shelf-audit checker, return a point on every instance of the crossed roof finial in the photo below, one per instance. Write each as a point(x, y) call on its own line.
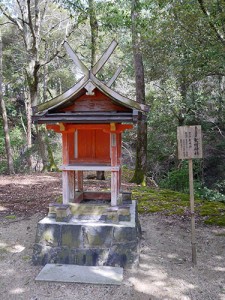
point(99, 64)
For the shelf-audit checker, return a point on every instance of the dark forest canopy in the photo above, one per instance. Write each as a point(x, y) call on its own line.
point(182, 47)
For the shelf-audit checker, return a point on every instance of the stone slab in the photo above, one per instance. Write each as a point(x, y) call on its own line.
point(81, 274)
point(74, 220)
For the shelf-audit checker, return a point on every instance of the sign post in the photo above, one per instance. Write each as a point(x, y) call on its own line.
point(190, 146)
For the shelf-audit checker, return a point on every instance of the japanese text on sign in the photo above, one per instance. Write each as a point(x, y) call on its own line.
point(189, 142)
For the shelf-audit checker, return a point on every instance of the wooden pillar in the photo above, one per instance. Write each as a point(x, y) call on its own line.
point(65, 148)
point(114, 174)
point(119, 145)
point(79, 177)
point(68, 177)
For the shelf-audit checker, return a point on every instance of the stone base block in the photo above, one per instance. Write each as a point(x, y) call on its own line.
point(88, 243)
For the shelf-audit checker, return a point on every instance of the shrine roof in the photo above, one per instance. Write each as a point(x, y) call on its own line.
point(87, 85)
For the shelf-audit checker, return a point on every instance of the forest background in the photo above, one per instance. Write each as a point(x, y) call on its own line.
point(179, 47)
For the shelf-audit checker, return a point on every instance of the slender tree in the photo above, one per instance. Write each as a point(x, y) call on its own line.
point(141, 145)
point(5, 120)
point(94, 36)
point(94, 31)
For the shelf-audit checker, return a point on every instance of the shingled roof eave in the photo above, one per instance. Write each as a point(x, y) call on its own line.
point(120, 99)
point(60, 99)
point(42, 108)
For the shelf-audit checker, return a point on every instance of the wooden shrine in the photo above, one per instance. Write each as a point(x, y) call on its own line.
point(91, 118)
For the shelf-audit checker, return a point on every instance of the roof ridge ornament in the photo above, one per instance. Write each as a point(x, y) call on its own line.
point(99, 64)
point(116, 74)
point(90, 88)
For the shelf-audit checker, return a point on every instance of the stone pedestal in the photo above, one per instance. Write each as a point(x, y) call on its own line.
point(99, 239)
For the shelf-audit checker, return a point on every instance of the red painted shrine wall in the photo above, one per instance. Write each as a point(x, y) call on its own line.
point(97, 102)
point(93, 146)
point(93, 142)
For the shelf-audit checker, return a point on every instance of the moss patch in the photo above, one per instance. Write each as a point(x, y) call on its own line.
point(220, 234)
point(26, 257)
point(214, 212)
point(87, 209)
point(212, 208)
point(10, 217)
point(170, 203)
point(3, 251)
point(216, 220)
point(153, 200)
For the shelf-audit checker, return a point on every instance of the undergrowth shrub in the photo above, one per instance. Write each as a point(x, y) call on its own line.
point(176, 180)
point(209, 194)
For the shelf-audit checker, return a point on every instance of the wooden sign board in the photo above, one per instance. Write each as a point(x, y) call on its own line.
point(189, 140)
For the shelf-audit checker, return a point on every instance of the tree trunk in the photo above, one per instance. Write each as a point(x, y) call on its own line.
point(141, 154)
point(100, 175)
point(141, 145)
point(43, 151)
point(31, 99)
point(94, 31)
point(52, 164)
point(28, 131)
point(220, 102)
point(31, 34)
point(5, 121)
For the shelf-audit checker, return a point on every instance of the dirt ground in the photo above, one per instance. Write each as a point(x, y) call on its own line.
point(165, 270)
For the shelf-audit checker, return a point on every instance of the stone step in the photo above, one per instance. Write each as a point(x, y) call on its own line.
point(81, 274)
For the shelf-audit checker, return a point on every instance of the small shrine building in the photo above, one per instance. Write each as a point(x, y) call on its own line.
point(91, 118)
